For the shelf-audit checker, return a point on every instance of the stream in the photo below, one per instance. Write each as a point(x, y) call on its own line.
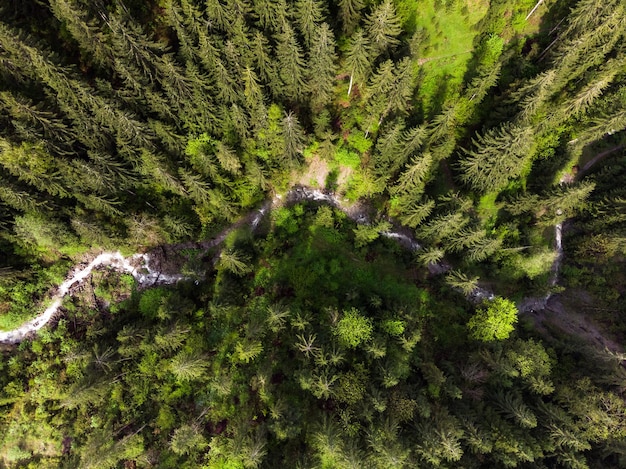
point(147, 271)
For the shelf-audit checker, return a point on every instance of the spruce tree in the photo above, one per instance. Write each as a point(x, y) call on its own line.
point(499, 156)
point(357, 59)
point(290, 63)
point(322, 63)
point(383, 27)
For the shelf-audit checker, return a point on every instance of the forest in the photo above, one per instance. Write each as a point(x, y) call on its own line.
point(374, 234)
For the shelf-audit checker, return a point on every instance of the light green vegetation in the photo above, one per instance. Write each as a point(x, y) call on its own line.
point(312, 341)
point(444, 34)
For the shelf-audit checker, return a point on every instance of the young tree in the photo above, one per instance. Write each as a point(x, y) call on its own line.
point(494, 320)
point(353, 329)
point(234, 262)
point(187, 439)
point(460, 281)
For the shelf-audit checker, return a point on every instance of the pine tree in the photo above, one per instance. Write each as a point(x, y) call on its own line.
point(56, 134)
point(32, 165)
point(350, 14)
point(555, 206)
point(187, 439)
point(186, 367)
point(442, 127)
point(512, 406)
point(271, 14)
point(444, 226)
point(413, 139)
point(308, 15)
point(323, 66)
point(414, 178)
point(413, 211)
point(89, 36)
point(290, 63)
point(460, 281)
point(601, 126)
point(432, 256)
point(499, 156)
point(197, 188)
point(585, 97)
point(176, 19)
point(16, 198)
point(293, 137)
point(219, 16)
point(383, 27)
point(234, 262)
point(261, 51)
point(357, 59)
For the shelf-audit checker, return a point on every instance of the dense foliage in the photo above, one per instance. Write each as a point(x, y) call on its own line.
point(315, 343)
point(261, 370)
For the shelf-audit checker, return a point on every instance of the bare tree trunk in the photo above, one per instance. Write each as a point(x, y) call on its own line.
point(533, 10)
point(350, 86)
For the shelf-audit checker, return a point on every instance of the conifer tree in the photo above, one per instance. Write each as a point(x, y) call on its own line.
point(290, 63)
point(271, 14)
point(322, 65)
point(84, 31)
point(219, 16)
point(413, 180)
point(293, 137)
point(413, 211)
point(357, 58)
point(499, 155)
point(350, 14)
point(383, 27)
point(308, 15)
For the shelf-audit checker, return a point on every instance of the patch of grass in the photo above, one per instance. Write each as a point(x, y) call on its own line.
point(447, 45)
point(346, 157)
point(487, 207)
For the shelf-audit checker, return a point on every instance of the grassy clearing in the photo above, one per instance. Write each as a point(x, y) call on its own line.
point(446, 44)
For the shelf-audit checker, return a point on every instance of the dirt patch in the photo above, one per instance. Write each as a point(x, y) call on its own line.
point(317, 172)
point(344, 175)
point(315, 175)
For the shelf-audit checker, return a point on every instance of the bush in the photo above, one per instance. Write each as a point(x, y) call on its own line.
point(495, 320)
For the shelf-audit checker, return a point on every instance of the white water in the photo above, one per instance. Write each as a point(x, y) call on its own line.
point(538, 303)
point(138, 265)
point(402, 239)
point(558, 244)
point(113, 259)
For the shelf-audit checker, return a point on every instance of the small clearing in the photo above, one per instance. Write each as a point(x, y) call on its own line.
point(316, 174)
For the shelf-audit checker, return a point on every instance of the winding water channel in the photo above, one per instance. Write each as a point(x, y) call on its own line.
point(147, 272)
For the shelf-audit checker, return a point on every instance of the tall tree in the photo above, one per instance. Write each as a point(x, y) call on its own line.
point(84, 31)
point(357, 58)
point(323, 66)
point(499, 156)
point(383, 27)
point(290, 63)
point(294, 138)
point(309, 14)
point(350, 14)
